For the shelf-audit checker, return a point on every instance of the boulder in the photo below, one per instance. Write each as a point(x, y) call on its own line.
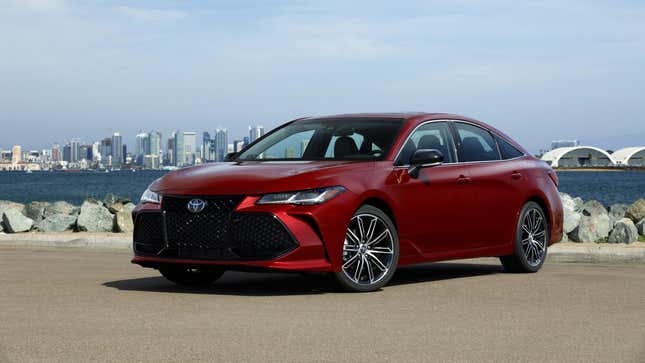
point(113, 198)
point(624, 232)
point(572, 214)
point(16, 222)
point(636, 211)
point(6, 204)
point(36, 210)
point(115, 207)
point(94, 217)
point(594, 223)
point(617, 212)
point(57, 223)
point(578, 202)
point(60, 208)
point(640, 227)
point(123, 222)
point(129, 207)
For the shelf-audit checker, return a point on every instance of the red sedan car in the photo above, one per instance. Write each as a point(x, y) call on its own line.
point(356, 196)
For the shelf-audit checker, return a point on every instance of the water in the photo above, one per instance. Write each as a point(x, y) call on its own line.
point(606, 187)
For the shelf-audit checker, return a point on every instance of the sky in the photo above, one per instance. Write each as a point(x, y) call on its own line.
point(538, 70)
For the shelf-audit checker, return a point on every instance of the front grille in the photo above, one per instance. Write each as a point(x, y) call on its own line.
point(217, 232)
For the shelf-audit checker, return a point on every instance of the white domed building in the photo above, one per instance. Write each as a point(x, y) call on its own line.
point(579, 157)
point(630, 156)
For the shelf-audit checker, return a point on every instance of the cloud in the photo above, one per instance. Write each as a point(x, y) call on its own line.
point(148, 15)
point(39, 5)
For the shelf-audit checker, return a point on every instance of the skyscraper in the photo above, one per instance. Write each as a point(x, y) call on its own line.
point(255, 132)
point(238, 145)
point(221, 144)
point(57, 153)
point(117, 150)
point(75, 151)
point(16, 154)
point(190, 147)
point(206, 146)
point(155, 144)
point(141, 146)
point(105, 149)
point(179, 152)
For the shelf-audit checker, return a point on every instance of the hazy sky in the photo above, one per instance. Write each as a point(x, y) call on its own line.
point(539, 70)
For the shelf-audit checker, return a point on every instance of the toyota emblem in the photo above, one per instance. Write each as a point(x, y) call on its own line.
point(196, 205)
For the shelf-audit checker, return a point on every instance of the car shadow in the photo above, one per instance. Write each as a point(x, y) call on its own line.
point(280, 284)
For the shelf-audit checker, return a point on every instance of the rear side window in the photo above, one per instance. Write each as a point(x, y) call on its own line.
point(477, 144)
point(507, 150)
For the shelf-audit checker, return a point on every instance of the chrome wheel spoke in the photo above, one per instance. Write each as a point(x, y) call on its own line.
point(534, 236)
point(368, 250)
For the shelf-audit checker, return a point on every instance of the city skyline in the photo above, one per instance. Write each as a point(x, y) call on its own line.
point(91, 68)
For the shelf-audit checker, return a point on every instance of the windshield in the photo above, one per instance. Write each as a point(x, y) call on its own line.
point(327, 139)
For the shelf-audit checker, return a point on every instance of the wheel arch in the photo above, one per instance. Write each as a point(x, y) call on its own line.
point(382, 205)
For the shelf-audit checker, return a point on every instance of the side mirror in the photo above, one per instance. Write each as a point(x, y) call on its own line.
point(230, 156)
point(424, 158)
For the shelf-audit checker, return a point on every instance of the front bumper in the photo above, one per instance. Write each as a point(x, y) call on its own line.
point(282, 237)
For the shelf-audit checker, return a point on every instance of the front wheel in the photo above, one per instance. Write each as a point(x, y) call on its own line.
point(191, 276)
point(531, 241)
point(370, 251)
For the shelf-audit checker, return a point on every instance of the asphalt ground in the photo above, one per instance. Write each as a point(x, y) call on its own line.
point(93, 305)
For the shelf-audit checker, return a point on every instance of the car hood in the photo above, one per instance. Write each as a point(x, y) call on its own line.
point(254, 177)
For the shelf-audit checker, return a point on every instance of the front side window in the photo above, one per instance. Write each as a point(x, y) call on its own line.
point(477, 144)
point(327, 139)
point(433, 135)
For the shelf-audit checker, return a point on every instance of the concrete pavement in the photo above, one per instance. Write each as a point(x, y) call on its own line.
point(81, 304)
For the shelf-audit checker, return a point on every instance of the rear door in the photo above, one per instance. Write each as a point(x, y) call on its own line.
point(496, 183)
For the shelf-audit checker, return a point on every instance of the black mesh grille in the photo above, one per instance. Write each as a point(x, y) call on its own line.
point(148, 232)
point(214, 233)
point(259, 234)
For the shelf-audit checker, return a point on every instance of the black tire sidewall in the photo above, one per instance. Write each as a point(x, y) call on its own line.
point(350, 285)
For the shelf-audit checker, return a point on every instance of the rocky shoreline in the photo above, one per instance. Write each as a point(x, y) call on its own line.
point(584, 222)
point(590, 221)
point(112, 214)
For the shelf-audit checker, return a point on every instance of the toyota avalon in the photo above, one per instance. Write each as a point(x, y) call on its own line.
point(355, 196)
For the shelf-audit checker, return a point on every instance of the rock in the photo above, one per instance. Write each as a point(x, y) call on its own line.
point(57, 223)
point(123, 222)
point(594, 223)
point(578, 202)
point(624, 232)
point(640, 227)
point(617, 212)
point(6, 204)
point(113, 198)
point(572, 214)
point(60, 208)
point(36, 210)
point(115, 207)
point(636, 211)
point(16, 222)
point(129, 207)
point(94, 217)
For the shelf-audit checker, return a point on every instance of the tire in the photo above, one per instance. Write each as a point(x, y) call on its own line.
point(191, 276)
point(370, 251)
point(531, 241)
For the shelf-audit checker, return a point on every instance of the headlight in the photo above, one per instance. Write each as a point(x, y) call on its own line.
point(150, 197)
point(303, 197)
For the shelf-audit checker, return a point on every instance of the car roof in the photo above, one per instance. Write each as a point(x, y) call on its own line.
point(390, 115)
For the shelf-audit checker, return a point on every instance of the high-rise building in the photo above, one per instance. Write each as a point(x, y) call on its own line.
point(155, 144)
point(190, 147)
point(170, 150)
point(117, 150)
point(67, 152)
point(105, 149)
point(16, 154)
point(179, 152)
point(205, 150)
point(221, 144)
point(96, 154)
point(238, 145)
point(141, 146)
point(75, 151)
point(255, 132)
point(57, 153)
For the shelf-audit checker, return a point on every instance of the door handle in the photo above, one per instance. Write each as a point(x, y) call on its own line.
point(516, 175)
point(462, 179)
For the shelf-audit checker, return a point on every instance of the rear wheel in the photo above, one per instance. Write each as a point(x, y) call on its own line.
point(370, 251)
point(191, 276)
point(531, 241)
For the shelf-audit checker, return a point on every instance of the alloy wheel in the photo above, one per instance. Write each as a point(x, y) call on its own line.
point(368, 250)
point(534, 237)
